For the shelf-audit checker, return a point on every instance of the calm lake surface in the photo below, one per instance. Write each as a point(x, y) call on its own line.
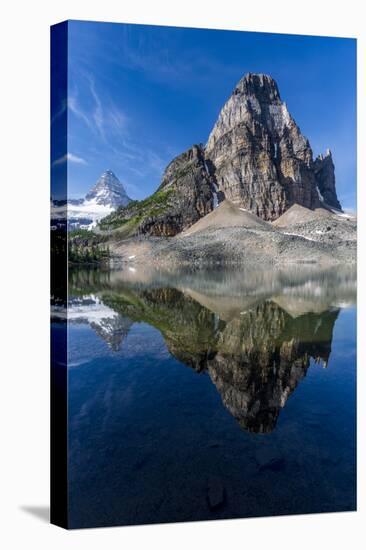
point(210, 394)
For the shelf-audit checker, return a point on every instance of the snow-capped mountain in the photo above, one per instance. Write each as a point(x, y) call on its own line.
point(103, 198)
point(108, 191)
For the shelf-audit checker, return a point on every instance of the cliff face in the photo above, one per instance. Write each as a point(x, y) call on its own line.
point(262, 161)
point(187, 180)
point(184, 196)
point(255, 156)
point(325, 179)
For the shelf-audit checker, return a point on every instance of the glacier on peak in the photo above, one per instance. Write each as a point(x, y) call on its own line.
point(104, 197)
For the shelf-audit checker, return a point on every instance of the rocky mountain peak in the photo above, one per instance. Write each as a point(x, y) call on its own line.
point(262, 161)
point(262, 86)
point(256, 157)
point(108, 190)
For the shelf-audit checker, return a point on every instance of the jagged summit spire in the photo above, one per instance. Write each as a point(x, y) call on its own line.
point(260, 85)
point(328, 153)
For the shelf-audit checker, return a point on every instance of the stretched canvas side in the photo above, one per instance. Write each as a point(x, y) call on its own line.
point(59, 500)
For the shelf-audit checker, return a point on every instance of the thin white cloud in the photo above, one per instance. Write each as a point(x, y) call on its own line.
point(69, 157)
point(103, 118)
point(74, 107)
point(108, 118)
point(116, 119)
point(98, 115)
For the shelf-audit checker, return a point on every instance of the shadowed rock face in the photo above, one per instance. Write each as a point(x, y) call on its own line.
point(325, 179)
point(255, 350)
point(190, 194)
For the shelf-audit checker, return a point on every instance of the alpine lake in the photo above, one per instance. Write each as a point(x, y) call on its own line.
point(209, 394)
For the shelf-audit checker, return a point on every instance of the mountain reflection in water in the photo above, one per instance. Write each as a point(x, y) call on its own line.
point(254, 333)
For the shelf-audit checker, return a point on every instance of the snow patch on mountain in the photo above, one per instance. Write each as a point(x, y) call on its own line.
point(83, 216)
point(105, 196)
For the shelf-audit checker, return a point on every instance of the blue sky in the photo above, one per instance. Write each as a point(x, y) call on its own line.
point(140, 95)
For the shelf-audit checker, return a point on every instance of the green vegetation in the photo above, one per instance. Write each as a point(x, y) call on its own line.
point(87, 247)
point(82, 234)
point(129, 217)
point(183, 322)
point(88, 278)
point(81, 254)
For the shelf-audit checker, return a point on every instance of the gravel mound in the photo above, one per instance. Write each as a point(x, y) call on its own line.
point(228, 214)
point(299, 214)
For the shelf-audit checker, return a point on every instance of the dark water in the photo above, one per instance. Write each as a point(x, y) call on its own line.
point(210, 395)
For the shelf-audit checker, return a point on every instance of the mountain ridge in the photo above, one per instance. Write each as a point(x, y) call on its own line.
point(255, 156)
